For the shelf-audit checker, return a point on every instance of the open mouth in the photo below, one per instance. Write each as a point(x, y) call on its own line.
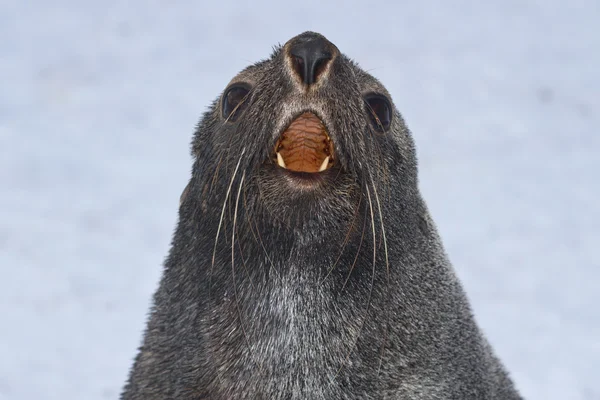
point(305, 146)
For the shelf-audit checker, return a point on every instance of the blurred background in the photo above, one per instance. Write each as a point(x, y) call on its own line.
point(98, 102)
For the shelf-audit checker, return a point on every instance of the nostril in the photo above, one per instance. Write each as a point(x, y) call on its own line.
point(320, 67)
point(299, 64)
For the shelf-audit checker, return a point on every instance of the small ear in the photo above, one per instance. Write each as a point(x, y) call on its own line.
point(184, 194)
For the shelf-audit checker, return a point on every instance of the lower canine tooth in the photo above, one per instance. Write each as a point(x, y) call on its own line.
point(280, 161)
point(324, 165)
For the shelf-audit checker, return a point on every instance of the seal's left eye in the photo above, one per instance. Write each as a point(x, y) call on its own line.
point(380, 111)
point(234, 101)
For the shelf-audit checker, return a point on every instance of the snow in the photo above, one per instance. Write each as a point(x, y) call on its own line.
point(98, 102)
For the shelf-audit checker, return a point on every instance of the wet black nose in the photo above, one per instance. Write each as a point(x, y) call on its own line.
point(310, 54)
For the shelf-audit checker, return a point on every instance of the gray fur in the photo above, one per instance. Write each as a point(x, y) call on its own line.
point(343, 291)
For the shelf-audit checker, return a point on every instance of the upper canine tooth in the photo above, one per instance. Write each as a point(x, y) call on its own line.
point(324, 165)
point(280, 160)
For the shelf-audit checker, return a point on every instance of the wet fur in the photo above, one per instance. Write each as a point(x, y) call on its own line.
point(343, 292)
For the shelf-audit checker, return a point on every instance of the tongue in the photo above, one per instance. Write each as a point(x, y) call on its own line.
point(304, 145)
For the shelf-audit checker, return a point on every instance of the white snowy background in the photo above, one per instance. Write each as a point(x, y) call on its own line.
point(98, 101)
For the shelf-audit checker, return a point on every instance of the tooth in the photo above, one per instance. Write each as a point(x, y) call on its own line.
point(280, 161)
point(324, 165)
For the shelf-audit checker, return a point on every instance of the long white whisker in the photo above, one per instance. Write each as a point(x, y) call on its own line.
point(387, 264)
point(224, 206)
point(233, 256)
point(237, 302)
point(385, 248)
point(374, 238)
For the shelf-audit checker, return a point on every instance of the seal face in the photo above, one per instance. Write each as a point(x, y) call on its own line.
point(305, 264)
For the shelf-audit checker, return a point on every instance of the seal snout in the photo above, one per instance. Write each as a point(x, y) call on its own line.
point(309, 55)
point(305, 145)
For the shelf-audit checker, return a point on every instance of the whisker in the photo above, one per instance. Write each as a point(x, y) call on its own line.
point(362, 325)
point(233, 260)
point(245, 266)
point(237, 299)
point(223, 213)
point(258, 237)
point(387, 264)
point(345, 243)
point(362, 236)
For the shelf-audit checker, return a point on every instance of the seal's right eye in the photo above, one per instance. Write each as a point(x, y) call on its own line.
point(234, 101)
point(380, 111)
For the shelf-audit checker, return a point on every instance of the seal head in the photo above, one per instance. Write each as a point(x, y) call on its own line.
point(309, 129)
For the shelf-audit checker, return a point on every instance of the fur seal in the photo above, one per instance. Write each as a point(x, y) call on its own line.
point(305, 264)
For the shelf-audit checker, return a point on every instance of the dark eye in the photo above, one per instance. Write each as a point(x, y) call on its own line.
point(234, 101)
point(380, 110)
